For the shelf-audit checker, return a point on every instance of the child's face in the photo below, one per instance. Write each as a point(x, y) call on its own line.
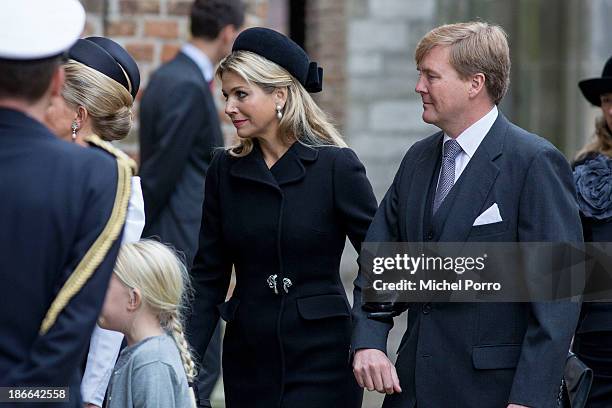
point(116, 309)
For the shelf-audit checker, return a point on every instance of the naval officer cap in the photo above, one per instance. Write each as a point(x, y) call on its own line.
point(109, 58)
point(281, 50)
point(39, 29)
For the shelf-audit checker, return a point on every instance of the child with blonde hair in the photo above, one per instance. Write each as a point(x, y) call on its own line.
point(144, 301)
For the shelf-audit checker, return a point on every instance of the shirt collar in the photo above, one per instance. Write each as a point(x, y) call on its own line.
point(201, 60)
point(471, 137)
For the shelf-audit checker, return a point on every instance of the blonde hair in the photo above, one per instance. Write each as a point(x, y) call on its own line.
point(601, 141)
point(164, 283)
point(302, 119)
point(108, 103)
point(475, 47)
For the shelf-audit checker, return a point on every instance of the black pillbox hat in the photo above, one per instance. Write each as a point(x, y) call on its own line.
point(283, 51)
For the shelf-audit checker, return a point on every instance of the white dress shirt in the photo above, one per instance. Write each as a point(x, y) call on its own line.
point(201, 60)
point(470, 139)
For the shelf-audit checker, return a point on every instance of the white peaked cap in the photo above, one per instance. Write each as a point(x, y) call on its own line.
point(35, 29)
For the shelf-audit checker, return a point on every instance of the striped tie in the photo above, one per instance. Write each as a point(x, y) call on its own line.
point(447, 174)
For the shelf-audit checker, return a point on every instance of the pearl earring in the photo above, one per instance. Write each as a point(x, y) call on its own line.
point(74, 127)
point(279, 113)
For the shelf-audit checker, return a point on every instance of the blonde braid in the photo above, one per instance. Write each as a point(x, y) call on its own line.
point(174, 326)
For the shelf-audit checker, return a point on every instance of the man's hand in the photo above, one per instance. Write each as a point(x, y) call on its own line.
point(516, 406)
point(374, 371)
point(88, 405)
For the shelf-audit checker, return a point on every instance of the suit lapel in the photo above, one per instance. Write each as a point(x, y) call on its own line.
point(465, 201)
point(418, 191)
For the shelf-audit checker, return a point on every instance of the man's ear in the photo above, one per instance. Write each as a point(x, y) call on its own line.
point(57, 81)
point(477, 83)
point(135, 300)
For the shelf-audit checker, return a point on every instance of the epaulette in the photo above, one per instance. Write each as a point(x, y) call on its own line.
point(96, 141)
point(103, 243)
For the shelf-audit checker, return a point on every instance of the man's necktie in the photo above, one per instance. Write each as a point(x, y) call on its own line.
point(447, 174)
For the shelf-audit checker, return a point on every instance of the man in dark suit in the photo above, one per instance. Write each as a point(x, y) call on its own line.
point(62, 214)
point(480, 179)
point(179, 129)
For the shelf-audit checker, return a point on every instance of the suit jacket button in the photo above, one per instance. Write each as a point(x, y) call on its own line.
point(426, 308)
point(429, 236)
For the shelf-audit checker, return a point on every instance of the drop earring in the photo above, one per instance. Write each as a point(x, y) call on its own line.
point(74, 127)
point(279, 113)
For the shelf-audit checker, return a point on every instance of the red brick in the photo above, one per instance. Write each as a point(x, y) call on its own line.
point(167, 29)
point(141, 51)
point(121, 28)
point(169, 51)
point(139, 6)
point(179, 8)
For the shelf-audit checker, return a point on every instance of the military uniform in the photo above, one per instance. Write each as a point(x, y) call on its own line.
point(61, 219)
point(62, 211)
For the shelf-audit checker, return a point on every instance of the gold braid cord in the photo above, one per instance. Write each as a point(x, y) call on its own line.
point(95, 255)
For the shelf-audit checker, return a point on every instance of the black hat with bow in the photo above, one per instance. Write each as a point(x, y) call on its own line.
point(283, 51)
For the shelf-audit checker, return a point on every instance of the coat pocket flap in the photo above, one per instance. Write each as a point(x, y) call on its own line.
point(496, 357)
point(227, 310)
point(322, 306)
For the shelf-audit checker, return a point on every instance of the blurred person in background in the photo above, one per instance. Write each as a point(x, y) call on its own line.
point(593, 176)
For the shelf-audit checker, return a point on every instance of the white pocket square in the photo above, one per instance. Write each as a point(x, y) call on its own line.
point(490, 216)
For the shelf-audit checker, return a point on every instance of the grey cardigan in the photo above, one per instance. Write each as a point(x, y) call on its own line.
point(150, 374)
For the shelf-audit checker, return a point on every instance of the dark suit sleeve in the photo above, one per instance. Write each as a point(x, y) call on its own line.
point(368, 333)
point(184, 116)
point(212, 267)
point(548, 213)
point(54, 355)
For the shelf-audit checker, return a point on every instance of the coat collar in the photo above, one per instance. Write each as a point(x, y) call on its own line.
point(288, 169)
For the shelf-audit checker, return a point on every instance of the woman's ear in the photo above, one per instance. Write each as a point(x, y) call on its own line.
point(81, 116)
point(280, 96)
point(135, 300)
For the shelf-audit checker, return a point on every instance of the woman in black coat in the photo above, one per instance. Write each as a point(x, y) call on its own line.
point(593, 175)
point(278, 208)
